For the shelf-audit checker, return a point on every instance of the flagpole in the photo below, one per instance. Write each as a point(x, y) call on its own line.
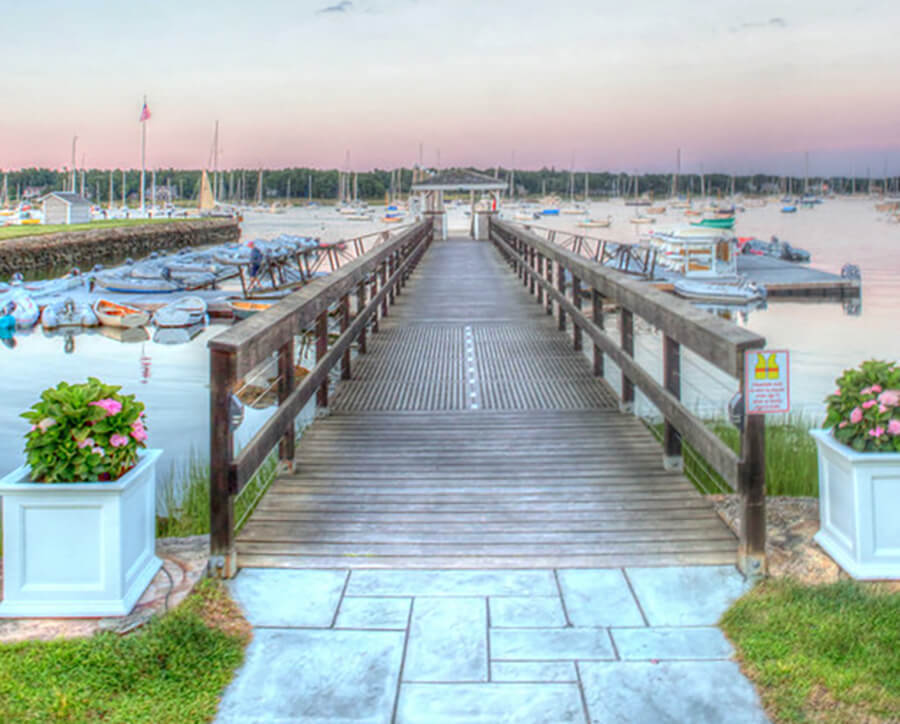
point(143, 154)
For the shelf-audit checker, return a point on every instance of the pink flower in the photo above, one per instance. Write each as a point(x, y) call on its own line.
point(138, 432)
point(118, 440)
point(46, 424)
point(868, 404)
point(891, 398)
point(894, 427)
point(875, 389)
point(866, 391)
point(112, 407)
point(837, 393)
point(87, 442)
point(882, 409)
point(33, 428)
point(877, 432)
point(856, 415)
point(843, 424)
point(98, 451)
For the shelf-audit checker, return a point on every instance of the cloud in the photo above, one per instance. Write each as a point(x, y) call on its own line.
point(344, 6)
point(770, 23)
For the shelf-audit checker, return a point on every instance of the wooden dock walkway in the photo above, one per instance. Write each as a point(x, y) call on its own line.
point(472, 435)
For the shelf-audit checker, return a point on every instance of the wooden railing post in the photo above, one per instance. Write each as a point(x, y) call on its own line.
point(345, 322)
point(285, 387)
point(561, 286)
point(672, 382)
point(382, 272)
point(321, 351)
point(550, 264)
point(372, 293)
point(360, 305)
point(752, 492)
point(627, 332)
point(223, 558)
point(597, 318)
point(540, 271)
point(532, 256)
point(576, 301)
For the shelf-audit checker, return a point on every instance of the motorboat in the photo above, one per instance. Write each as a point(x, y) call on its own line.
point(68, 313)
point(113, 314)
point(720, 291)
point(185, 312)
point(723, 222)
point(789, 209)
point(775, 248)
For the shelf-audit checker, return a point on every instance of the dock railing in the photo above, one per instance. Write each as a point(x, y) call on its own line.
point(542, 266)
point(375, 278)
point(629, 258)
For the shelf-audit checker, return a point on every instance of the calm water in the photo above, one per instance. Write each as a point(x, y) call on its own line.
point(173, 380)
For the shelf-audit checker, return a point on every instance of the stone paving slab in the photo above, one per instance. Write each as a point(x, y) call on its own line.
point(295, 675)
point(451, 583)
point(672, 692)
point(526, 612)
point(447, 640)
point(533, 671)
point(701, 642)
point(383, 613)
point(686, 595)
point(599, 598)
point(304, 598)
point(534, 644)
point(489, 704)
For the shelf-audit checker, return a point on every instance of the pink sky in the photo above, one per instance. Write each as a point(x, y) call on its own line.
point(738, 87)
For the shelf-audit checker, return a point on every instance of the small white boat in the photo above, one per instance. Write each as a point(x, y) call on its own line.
point(113, 314)
point(642, 220)
point(68, 313)
point(51, 287)
point(721, 291)
point(118, 282)
point(596, 223)
point(21, 307)
point(185, 312)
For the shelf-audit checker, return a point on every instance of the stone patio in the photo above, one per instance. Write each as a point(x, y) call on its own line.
point(605, 645)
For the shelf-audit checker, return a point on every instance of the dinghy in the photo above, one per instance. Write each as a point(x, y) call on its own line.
point(721, 291)
point(68, 313)
point(112, 314)
point(186, 312)
point(596, 223)
point(21, 307)
point(117, 281)
point(243, 308)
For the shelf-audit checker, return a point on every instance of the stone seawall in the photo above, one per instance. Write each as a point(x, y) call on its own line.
point(59, 252)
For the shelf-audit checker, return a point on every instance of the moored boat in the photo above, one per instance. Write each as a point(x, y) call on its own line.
point(788, 209)
point(68, 313)
point(656, 209)
point(113, 314)
point(642, 219)
point(724, 222)
point(719, 290)
point(20, 306)
point(242, 308)
point(185, 312)
point(596, 223)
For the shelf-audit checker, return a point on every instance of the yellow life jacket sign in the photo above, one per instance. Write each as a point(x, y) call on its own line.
point(767, 382)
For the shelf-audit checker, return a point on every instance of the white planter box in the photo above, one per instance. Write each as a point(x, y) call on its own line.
point(859, 508)
point(78, 549)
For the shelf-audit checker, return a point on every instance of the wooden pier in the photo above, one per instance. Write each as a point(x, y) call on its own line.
point(471, 431)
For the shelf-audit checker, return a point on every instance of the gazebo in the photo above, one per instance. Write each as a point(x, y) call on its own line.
point(433, 188)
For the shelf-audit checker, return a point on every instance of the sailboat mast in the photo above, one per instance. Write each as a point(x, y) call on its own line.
point(586, 192)
point(259, 188)
point(110, 188)
point(677, 173)
point(216, 162)
point(806, 173)
point(124, 191)
point(309, 188)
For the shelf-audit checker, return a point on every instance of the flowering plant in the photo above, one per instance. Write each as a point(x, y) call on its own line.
point(85, 432)
point(864, 411)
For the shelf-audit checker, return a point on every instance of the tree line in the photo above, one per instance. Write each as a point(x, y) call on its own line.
point(243, 185)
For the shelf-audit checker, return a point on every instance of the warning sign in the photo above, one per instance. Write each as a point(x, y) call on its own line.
point(767, 381)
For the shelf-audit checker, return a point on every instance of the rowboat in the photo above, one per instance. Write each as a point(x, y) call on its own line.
point(112, 314)
point(656, 209)
point(186, 312)
point(725, 222)
point(391, 219)
point(243, 309)
point(114, 281)
point(642, 220)
point(20, 307)
point(719, 291)
point(68, 313)
point(596, 223)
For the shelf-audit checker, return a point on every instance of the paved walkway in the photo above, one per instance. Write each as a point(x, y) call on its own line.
point(575, 645)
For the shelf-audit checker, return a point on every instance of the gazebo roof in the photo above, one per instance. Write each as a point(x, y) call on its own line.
point(460, 179)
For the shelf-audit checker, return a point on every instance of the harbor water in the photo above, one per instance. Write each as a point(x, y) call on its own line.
point(173, 380)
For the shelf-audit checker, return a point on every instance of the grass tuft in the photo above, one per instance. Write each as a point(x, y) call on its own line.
point(172, 670)
point(824, 653)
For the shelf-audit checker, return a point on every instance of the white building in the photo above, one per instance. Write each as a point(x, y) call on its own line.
point(66, 207)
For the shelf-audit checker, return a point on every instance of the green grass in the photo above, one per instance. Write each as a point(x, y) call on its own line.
point(791, 462)
point(172, 670)
point(14, 232)
point(185, 496)
point(824, 653)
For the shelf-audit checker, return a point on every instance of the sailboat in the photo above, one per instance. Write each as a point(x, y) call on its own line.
point(207, 202)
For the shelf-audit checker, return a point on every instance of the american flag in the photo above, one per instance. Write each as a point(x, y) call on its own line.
point(145, 113)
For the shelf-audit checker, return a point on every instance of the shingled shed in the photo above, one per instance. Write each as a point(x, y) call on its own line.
point(455, 179)
point(66, 207)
